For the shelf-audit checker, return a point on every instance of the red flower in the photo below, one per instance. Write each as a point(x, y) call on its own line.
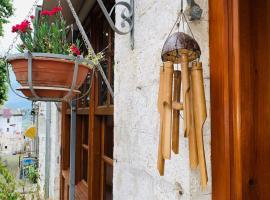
point(75, 50)
point(32, 17)
point(22, 27)
point(51, 12)
point(56, 9)
point(46, 13)
point(15, 28)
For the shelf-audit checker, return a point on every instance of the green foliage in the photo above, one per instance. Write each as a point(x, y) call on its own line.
point(95, 58)
point(6, 10)
point(3, 82)
point(32, 173)
point(8, 185)
point(49, 36)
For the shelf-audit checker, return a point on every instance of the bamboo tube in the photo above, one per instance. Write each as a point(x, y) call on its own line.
point(176, 98)
point(193, 151)
point(167, 124)
point(186, 93)
point(199, 116)
point(161, 161)
point(177, 106)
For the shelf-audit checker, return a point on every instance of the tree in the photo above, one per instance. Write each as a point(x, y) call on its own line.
point(3, 82)
point(6, 10)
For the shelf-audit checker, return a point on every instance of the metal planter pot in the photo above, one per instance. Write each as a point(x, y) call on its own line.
point(50, 76)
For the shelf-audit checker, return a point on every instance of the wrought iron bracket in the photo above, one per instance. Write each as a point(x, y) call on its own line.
point(127, 16)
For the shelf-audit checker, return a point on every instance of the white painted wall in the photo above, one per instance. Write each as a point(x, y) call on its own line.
point(13, 124)
point(11, 138)
point(136, 116)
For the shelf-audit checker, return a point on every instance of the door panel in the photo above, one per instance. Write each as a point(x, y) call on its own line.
point(260, 21)
point(240, 98)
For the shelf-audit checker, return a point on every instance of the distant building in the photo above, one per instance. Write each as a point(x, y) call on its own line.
point(11, 137)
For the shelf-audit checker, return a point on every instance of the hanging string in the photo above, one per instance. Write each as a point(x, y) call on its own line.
point(184, 16)
point(181, 18)
point(17, 34)
point(182, 5)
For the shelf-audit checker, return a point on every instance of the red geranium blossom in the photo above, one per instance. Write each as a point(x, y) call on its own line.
point(57, 9)
point(51, 12)
point(75, 50)
point(32, 17)
point(46, 13)
point(22, 27)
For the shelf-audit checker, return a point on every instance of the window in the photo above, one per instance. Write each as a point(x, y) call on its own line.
point(8, 120)
point(7, 129)
point(94, 141)
point(104, 105)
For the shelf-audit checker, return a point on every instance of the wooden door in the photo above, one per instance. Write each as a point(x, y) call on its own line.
point(240, 96)
point(258, 182)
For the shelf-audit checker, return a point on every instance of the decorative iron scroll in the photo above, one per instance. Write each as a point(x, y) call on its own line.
point(127, 16)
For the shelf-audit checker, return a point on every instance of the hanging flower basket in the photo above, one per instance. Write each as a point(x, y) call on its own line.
point(55, 73)
point(52, 74)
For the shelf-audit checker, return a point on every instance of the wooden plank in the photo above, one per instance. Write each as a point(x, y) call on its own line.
point(63, 120)
point(91, 155)
point(83, 111)
point(84, 146)
point(220, 102)
point(254, 97)
point(104, 110)
point(102, 154)
point(107, 160)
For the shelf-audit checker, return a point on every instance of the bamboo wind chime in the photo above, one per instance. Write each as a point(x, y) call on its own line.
point(182, 49)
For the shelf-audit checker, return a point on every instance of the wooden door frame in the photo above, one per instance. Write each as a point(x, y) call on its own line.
point(225, 99)
point(232, 102)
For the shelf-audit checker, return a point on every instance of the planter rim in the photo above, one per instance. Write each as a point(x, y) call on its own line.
point(48, 88)
point(79, 59)
point(48, 99)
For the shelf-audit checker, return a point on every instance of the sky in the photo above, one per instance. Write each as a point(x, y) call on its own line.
point(22, 7)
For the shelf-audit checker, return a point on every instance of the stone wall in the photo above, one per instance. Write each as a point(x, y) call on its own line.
point(136, 116)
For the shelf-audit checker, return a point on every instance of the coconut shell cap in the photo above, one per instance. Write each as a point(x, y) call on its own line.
point(177, 44)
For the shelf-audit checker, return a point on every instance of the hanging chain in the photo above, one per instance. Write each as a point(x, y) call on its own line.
point(89, 46)
point(11, 47)
point(17, 34)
